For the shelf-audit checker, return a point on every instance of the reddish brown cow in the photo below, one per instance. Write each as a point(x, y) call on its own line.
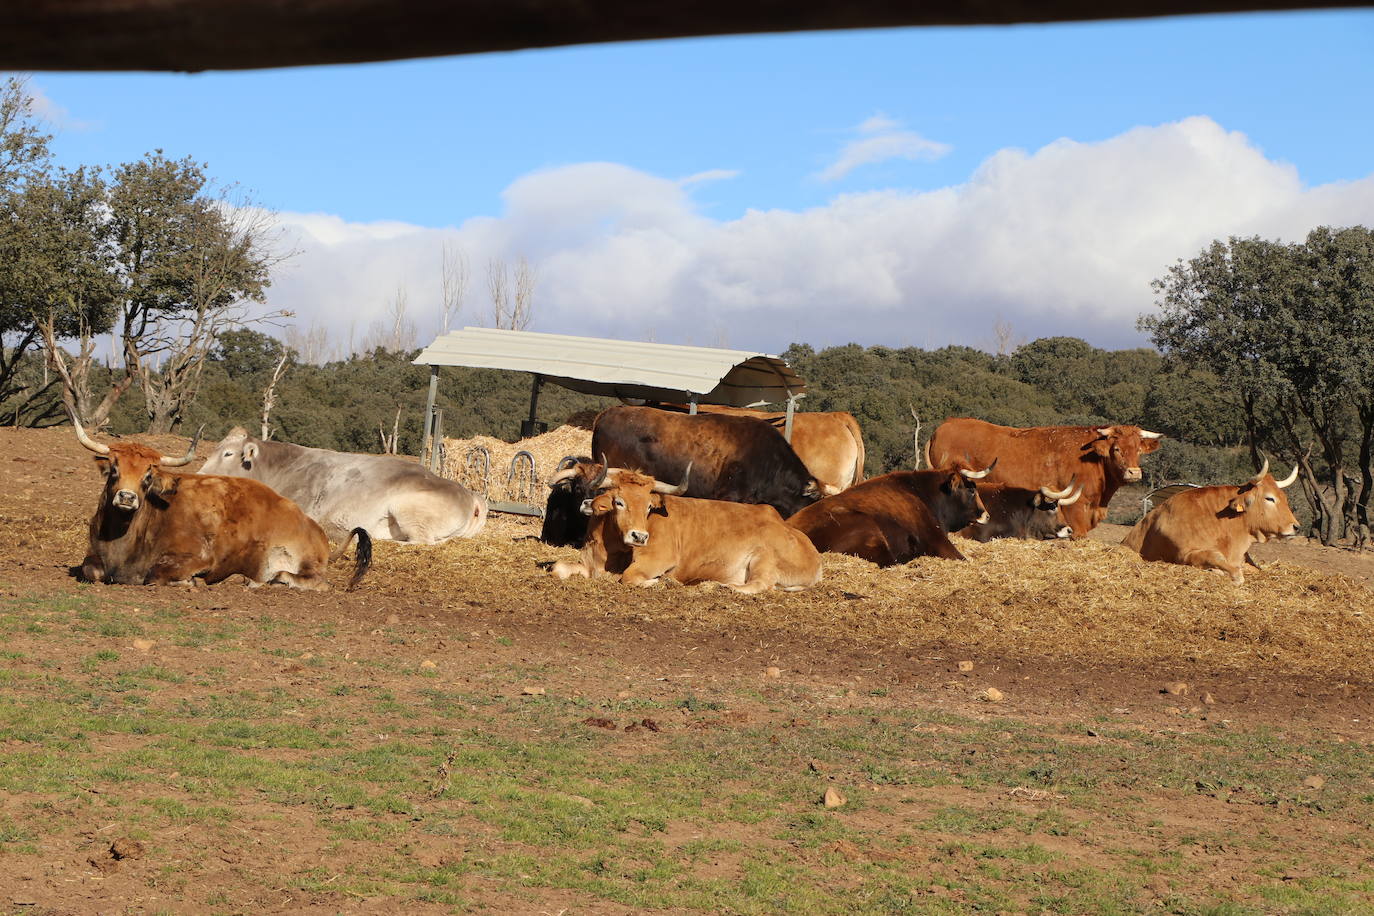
point(1213, 527)
point(156, 528)
point(643, 531)
point(829, 443)
point(898, 516)
point(1016, 512)
point(1101, 458)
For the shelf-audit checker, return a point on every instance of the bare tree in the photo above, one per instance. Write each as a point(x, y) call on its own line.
point(311, 344)
point(269, 393)
point(1005, 341)
point(500, 293)
point(389, 442)
point(394, 332)
point(512, 293)
point(453, 283)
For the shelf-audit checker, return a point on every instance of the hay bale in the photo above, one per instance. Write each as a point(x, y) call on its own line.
point(548, 449)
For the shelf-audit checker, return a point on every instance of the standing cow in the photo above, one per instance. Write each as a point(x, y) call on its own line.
point(155, 528)
point(898, 516)
point(1213, 527)
point(1016, 512)
point(738, 459)
point(394, 499)
point(1101, 458)
point(644, 530)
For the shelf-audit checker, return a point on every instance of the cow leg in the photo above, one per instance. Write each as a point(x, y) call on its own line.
point(1211, 558)
point(176, 569)
point(645, 571)
point(92, 570)
point(307, 582)
point(760, 573)
point(1251, 560)
point(566, 569)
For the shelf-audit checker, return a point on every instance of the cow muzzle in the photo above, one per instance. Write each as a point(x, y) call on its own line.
point(636, 538)
point(983, 519)
point(1132, 474)
point(1065, 531)
point(127, 500)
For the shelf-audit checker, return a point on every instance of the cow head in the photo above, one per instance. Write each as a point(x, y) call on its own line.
point(573, 483)
point(133, 472)
point(234, 456)
point(1264, 506)
point(961, 505)
point(1122, 446)
point(1047, 520)
point(631, 497)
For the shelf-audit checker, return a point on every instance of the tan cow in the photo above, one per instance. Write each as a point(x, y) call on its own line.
point(156, 528)
point(642, 530)
point(1213, 527)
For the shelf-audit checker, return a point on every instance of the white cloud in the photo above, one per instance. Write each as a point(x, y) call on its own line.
point(881, 139)
point(1062, 240)
point(59, 117)
point(709, 176)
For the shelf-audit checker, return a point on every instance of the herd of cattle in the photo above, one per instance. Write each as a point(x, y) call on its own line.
point(716, 496)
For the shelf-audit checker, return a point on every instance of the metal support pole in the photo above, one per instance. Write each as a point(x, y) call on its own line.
point(692, 405)
point(427, 443)
point(787, 424)
point(530, 427)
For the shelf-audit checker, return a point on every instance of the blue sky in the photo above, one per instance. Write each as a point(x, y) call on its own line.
point(491, 153)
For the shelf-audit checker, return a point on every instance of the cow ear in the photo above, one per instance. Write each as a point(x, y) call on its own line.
point(1239, 504)
point(104, 464)
point(165, 486)
point(1102, 447)
point(250, 453)
point(1148, 445)
point(656, 503)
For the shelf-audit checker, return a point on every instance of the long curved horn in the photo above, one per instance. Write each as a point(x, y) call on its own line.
point(1260, 476)
point(1288, 481)
point(979, 475)
point(1072, 499)
point(1056, 496)
point(601, 478)
point(186, 458)
point(562, 475)
point(567, 461)
point(1146, 434)
point(669, 490)
point(86, 440)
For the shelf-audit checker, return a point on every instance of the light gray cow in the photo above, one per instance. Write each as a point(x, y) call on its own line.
point(394, 499)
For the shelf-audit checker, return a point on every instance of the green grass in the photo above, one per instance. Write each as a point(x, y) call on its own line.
point(724, 817)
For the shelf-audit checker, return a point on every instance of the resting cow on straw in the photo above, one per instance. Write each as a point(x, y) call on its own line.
point(644, 530)
point(1213, 527)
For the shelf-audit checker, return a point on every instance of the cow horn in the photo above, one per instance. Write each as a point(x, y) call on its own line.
point(567, 461)
point(1054, 496)
point(1146, 434)
point(186, 458)
point(562, 475)
point(86, 440)
point(1260, 476)
point(1069, 501)
point(668, 489)
point(1288, 481)
point(979, 475)
point(601, 478)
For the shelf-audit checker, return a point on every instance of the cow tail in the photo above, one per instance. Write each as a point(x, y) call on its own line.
point(364, 560)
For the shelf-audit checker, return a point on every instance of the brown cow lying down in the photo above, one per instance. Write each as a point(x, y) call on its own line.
point(642, 530)
point(155, 528)
point(897, 517)
point(1213, 527)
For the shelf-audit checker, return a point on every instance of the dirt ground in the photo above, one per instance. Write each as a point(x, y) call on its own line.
point(48, 487)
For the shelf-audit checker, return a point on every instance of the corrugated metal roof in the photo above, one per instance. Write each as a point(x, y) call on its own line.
point(622, 368)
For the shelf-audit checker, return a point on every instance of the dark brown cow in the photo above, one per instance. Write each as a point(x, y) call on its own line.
point(829, 443)
point(156, 528)
point(1101, 458)
point(1213, 527)
point(1015, 512)
point(898, 516)
point(644, 530)
point(738, 459)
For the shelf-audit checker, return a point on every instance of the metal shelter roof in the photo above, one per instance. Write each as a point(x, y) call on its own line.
point(622, 368)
